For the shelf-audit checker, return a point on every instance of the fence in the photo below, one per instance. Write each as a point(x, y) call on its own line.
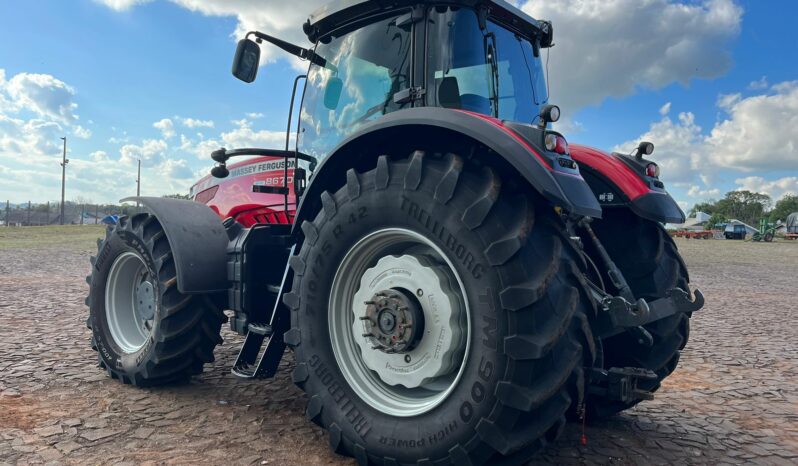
point(30, 214)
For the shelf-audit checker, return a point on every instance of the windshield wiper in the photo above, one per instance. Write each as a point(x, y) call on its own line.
point(493, 63)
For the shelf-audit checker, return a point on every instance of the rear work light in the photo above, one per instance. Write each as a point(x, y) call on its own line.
point(556, 143)
point(652, 170)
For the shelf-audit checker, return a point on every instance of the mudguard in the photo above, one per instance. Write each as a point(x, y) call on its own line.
point(197, 239)
point(560, 183)
point(616, 184)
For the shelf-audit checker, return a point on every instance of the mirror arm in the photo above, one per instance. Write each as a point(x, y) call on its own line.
point(296, 50)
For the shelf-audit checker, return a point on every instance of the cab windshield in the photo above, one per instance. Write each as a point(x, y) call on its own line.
point(365, 68)
point(494, 72)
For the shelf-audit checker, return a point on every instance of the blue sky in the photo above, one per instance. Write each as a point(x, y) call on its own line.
point(711, 83)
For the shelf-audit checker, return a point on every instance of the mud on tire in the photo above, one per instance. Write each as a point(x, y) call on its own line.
point(184, 328)
point(530, 336)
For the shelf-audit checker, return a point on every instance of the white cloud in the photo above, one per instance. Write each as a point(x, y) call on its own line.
point(776, 189)
point(122, 5)
point(665, 109)
point(81, 132)
point(194, 123)
point(150, 150)
point(243, 135)
point(37, 109)
point(43, 95)
point(272, 17)
point(727, 101)
point(166, 127)
point(612, 48)
point(759, 84)
point(99, 156)
point(696, 192)
point(677, 146)
point(761, 132)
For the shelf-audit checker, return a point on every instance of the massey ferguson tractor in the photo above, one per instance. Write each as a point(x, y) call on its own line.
point(454, 280)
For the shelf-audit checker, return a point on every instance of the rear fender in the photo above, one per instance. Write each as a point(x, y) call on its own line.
point(562, 186)
point(197, 239)
point(615, 184)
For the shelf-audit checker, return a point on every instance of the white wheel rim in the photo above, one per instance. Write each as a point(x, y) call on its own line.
point(365, 268)
point(129, 302)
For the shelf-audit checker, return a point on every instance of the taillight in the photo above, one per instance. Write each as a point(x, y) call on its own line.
point(556, 143)
point(652, 170)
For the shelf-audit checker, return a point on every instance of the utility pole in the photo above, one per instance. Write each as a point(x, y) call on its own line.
point(138, 184)
point(8, 220)
point(29, 213)
point(64, 162)
point(48, 213)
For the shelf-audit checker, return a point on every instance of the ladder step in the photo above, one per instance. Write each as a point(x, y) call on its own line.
point(243, 371)
point(260, 329)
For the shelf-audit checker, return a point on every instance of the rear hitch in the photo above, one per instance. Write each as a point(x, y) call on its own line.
point(620, 383)
point(616, 314)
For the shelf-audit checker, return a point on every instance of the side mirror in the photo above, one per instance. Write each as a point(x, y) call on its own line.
point(332, 93)
point(246, 61)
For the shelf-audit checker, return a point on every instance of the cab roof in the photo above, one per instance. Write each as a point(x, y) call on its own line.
point(338, 13)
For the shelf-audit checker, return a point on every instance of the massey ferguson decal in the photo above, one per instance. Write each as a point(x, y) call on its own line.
point(275, 168)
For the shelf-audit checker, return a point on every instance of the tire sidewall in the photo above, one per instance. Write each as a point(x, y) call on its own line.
point(453, 421)
point(117, 243)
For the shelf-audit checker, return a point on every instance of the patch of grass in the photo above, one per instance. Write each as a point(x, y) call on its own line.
point(66, 236)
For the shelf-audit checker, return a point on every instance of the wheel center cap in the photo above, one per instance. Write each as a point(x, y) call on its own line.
point(145, 300)
point(387, 321)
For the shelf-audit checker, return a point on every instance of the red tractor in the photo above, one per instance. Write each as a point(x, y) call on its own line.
point(453, 279)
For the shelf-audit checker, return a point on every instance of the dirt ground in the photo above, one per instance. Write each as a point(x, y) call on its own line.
point(733, 399)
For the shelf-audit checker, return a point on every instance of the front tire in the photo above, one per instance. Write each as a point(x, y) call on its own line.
point(522, 315)
point(650, 262)
point(144, 330)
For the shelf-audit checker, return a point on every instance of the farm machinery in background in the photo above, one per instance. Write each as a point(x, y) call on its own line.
point(455, 280)
point(766, 233)
point(791, 226)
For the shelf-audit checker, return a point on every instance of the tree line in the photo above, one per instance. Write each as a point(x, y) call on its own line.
point(748, 207)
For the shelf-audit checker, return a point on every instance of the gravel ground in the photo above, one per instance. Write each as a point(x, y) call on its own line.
point(734, 398)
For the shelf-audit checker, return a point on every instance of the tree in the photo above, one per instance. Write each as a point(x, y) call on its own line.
point(714, 220)
point(784, 207)
point(178, 196)
point(745, 206)
point(707, 207)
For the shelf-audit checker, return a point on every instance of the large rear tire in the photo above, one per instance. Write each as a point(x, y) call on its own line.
point(510, 284)
point(649, 260)
point(144, 330)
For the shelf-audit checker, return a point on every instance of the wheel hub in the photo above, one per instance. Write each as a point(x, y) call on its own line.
point(409, 330)
point(145, 301)
point(394, 321)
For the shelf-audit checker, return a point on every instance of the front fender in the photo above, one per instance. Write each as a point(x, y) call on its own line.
point(615, 184)
point(562, 187)
point(197, 239)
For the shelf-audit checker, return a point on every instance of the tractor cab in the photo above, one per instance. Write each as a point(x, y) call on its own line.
point(431, 55)
point(369, 60)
